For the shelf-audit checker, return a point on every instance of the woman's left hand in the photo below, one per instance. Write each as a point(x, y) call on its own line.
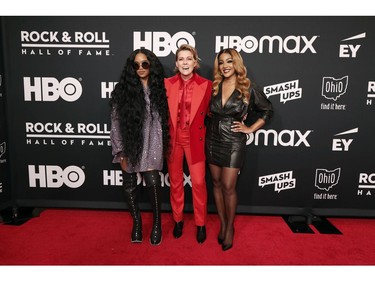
point(239, 127)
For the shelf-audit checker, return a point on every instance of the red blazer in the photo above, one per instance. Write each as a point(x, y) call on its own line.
point(202, 89)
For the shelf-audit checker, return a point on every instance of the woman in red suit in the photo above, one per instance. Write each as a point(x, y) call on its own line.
point(188, 98)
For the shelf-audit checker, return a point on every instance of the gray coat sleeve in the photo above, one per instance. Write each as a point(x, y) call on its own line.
point(116, 139)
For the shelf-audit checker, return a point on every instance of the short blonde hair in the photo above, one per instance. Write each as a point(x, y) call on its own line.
point(192, 50)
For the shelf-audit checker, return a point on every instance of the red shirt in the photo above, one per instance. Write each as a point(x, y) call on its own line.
point(186, 93)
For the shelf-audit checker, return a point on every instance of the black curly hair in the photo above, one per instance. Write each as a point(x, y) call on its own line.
point(128, 100)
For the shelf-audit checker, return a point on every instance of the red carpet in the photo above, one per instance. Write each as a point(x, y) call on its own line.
point(102, 237)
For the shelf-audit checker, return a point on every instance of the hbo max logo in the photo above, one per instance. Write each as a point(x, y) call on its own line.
point(50, 89)
point(51, 176)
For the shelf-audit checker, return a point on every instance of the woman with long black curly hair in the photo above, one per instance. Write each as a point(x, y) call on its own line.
point(140, 134)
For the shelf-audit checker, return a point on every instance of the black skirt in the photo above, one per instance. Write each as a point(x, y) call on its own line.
point(224, 148)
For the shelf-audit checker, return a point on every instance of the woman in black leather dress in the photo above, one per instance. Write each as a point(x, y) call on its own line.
point(232, 101)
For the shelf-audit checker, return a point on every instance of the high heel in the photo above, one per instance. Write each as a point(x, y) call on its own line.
point(228, 246)
point(220, 240)
point(177, 230)
point(201, 234)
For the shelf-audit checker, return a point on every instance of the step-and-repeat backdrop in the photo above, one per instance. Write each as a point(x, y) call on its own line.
point(5, 190)
point(315, 156)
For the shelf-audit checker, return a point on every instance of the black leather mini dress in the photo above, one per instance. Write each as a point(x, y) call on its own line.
point(225, 148)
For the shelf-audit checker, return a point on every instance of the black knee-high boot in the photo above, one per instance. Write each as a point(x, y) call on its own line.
point(153, 184)
point(130, 186)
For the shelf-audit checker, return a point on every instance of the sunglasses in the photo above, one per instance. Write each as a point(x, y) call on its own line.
point(145, 65)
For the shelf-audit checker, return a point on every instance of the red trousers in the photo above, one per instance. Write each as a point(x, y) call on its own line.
point(176, 179)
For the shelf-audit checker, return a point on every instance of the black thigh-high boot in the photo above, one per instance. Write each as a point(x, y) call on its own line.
point(130, 186)
point(153, 184)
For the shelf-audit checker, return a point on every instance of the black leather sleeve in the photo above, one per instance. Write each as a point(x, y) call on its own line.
point(259, 106)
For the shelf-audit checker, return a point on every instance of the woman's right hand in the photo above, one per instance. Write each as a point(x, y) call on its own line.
point(123, 163)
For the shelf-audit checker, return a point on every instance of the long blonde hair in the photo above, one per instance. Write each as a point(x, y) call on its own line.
point(242, 81)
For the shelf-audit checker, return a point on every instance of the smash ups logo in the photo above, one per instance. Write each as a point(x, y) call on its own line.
point(281, 181)
point(288, 91)
point(47, 43)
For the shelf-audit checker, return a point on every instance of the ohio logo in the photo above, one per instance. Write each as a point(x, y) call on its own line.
point(250, 44)
point(288, 91)
point(333, 88)
point(49, 89)
point(52, 176)
point(282, 181)
point(325, 179)
point(162, 43)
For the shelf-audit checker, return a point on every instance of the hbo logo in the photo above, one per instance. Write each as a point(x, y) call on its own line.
point(52, 176)
point(50, 89)
point(162, 43)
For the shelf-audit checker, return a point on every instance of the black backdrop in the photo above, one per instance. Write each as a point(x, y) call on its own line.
point(314, 157)
point(5, 190)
